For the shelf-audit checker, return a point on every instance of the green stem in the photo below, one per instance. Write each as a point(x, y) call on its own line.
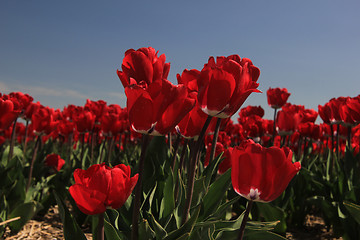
point(176, 147)
point(12, 140)
point(26, 136)
point(182, 156)
point(191, 174)
point(36, 147)
point(246, 216)
point(100, 227)
point(274, 128)
point(138, 191)
point(214, 141)
point(337, 140)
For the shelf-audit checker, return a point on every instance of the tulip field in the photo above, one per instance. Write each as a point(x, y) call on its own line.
point(171, 164)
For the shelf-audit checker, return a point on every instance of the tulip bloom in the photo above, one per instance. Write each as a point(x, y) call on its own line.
point(190, 126)
point(261, 174)
point(143, 66)
point(159, 107)
point(225, 85)
point(277, 97)
point(100, 187)
point(8, 114)
point(287, 121)
point(43, 120)
point(54, 161)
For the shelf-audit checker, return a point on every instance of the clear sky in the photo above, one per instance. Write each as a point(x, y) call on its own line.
point(63, 52)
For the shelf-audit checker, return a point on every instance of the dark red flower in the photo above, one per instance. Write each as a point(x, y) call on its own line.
point(85, 121)
point(157, 108)
point(98, 108)
point(309, 115)
point(259, 173)
point(7, 114)
point(250, 111)
point(191, 124)
point(289, 118)
point(143, 66)
point(189, 79)
point(277, 97)
point(43, 120)
point(54, 161)
point(100, 187)
point(309, 129)
point(350, 111)
point(225, 85)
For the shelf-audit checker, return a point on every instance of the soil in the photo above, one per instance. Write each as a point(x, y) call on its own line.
point(49, 227)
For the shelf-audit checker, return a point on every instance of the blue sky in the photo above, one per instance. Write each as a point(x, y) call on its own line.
point(63, 52)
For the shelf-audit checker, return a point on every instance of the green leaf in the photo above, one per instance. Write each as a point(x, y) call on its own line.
point(71, 229)
point(224, 206)
point(26, 211)
point(110, 231)
point(354, 210)
point(185, 228)
point(253, 231)
point(198, 192)
point(216, 193)
point(211, 169)
point(272, 213)
point(159, 230)
point(168, 202)
point(145, 231)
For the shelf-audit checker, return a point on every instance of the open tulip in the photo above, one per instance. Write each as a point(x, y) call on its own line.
point(259, 173)
point(158, 108)
point(224, 85)
point(100, 187)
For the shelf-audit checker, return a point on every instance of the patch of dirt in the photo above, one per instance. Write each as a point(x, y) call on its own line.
point(315, 229)
point(48, 227)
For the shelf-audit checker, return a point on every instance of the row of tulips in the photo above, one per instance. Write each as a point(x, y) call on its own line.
point(185, 152)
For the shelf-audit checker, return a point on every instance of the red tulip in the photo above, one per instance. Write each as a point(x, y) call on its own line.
point(309, 115)
point(250, 111)
point(325, 112)
point(225, 163)
point(189, 79)
point(259, 173)
point(100, 187)
point(350, 111)
point(157, 108)
point(191, 124)
point(54, 161)
point(8, 114)
point(143, 66)
point(98, 108)
point(225, 85)
point(289, 118)
point(43, 120)
point(85, 121)
point(277, 97)
point(309, 129)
